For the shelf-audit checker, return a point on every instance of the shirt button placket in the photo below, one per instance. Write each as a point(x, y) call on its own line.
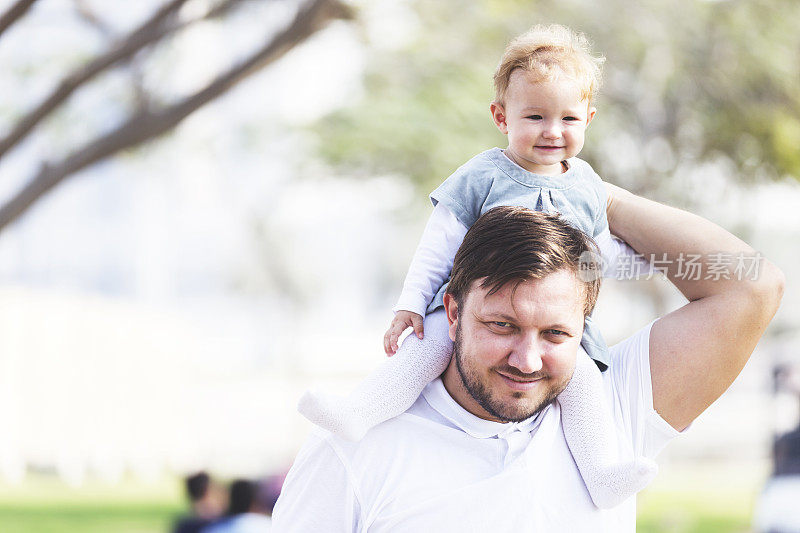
point(516, 441)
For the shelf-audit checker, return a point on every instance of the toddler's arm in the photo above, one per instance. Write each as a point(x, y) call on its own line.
point(429, 269)
point(620, 261)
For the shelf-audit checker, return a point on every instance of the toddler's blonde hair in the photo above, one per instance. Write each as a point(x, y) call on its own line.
point(548, 52)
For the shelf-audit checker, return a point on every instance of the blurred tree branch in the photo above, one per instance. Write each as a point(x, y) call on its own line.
point(153, 29)
point(14, 13)
point(146, 123)
point(88, 15)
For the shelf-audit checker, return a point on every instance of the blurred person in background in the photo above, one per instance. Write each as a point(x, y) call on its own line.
point(269, 490)
point(778, 509)
point(207, 501)
point(249, 507)
point(483, 447)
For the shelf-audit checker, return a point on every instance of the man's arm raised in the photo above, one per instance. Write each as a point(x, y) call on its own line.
point(698, 350)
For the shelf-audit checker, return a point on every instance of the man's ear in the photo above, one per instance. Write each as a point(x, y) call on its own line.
point(451, 307)
point(499, 117)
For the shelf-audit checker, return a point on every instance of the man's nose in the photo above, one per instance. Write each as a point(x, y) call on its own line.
point(527, 354)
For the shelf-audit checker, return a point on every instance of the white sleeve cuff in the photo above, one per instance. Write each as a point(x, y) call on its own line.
point(620, 261)
point(432, 260)
point(412, 300)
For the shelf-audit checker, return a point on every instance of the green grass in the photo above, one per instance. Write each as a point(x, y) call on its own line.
point(700, 499)
point(87, 518)
point(682, 500)
point(690, 512)
point(42, 504)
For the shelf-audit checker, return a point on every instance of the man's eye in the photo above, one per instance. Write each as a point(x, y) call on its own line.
point(503, 324)
point(557, 332)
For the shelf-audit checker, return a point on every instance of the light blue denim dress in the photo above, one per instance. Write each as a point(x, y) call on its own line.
point(491, 179)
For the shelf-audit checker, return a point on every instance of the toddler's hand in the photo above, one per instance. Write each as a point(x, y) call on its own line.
point(402, 320)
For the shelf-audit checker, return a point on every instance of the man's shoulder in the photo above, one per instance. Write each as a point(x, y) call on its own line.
point(399, 431)
point(635, 345)
point(415, 429)
point(629, 360)
point(629, 378)
point(352, 476)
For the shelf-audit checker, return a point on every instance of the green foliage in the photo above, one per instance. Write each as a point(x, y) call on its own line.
point(684, 84)
point(400, 125)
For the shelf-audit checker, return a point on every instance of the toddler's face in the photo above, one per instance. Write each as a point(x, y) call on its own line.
point(545, 122)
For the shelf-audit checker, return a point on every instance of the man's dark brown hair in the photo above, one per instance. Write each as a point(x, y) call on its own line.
point(513, 245)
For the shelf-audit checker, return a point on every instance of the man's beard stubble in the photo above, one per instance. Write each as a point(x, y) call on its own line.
point(478, 391)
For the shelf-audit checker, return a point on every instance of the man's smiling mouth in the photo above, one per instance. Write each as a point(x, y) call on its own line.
point(519, 383)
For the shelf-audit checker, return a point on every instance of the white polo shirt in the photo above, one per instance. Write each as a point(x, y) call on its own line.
point(439, 468)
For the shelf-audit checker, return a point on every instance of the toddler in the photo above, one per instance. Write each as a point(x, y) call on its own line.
point(543, 94)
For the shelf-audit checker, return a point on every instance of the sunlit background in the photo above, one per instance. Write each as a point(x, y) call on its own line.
point(186, 246)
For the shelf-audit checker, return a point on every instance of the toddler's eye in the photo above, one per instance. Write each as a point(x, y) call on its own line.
point(571, 118)
point(535, 117)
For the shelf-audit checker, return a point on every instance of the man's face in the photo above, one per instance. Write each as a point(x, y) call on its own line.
point(514, 350)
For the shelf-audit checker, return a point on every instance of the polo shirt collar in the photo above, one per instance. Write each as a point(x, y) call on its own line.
point(438, 398)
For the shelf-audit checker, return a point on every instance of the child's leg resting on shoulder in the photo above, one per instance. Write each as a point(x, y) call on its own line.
point(589, 430)
point(389, 390)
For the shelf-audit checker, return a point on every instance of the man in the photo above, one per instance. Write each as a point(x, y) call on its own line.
point(247, 512)
point(206, 500)
point(483, 448)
